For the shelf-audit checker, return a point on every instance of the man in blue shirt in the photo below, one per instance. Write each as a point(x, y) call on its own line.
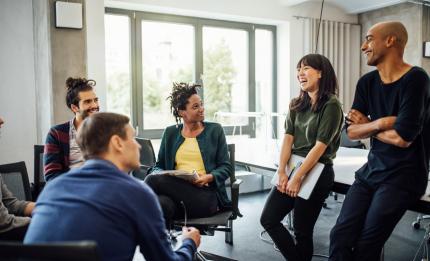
point(392, 107)
point(100, 202)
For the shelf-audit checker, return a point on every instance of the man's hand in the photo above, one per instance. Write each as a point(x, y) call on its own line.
point(29, 209)
point(293, 186)
point(282, 182)
point(356, 117)
point(191, 233)
point(203, 180)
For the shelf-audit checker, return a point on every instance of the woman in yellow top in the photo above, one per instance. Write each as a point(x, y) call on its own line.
point(194, 146)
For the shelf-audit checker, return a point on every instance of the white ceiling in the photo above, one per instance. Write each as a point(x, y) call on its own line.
point(350, 6)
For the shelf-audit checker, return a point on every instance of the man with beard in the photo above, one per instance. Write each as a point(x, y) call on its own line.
point(392, 107)
point(61, 150)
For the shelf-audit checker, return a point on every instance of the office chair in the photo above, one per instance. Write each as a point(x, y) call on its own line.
point(16, 179)
point(67, 251)
point(223, 219)
point(147, 158)
point(39, 175)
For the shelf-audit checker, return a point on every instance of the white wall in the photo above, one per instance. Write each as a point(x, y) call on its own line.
point(17, 86)
point(272, 11)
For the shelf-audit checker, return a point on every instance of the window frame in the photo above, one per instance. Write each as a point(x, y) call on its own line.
point(136, 18)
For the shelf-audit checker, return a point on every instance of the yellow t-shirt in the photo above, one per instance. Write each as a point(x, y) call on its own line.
point(189, 157)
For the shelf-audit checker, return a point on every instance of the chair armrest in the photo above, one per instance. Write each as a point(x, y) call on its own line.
point(236, 184)
point(235, 198)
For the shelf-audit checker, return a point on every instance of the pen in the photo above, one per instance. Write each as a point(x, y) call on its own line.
point(294, 169)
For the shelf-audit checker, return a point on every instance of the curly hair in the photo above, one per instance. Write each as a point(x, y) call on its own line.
point(327, 86)
point(76, 85)
point(181, 92)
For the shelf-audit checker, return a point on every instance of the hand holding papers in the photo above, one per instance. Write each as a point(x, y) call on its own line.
point(310, 180)
point(180, 174)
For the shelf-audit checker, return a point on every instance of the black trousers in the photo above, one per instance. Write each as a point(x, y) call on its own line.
point(16, 234)
point(198, 201)
point(366, 220)
point(306, 212)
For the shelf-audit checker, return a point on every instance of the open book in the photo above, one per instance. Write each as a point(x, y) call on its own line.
point(180, 174)
point(310, 180)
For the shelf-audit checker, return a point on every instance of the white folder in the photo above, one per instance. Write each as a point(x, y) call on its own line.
point(310, 180)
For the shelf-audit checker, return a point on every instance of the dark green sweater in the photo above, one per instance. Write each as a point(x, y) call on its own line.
point(213, 147)
point(308, 127)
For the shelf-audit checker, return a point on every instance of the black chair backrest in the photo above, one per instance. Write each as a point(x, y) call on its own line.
point(16, 179)
point(231, 151)
point(39, 176)
point(68, 251)
point(147, 158)
point(345, 141)
point(147, 155)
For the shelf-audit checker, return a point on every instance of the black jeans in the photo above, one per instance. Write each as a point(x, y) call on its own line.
point(306, 212)
point(366, 220)
point(199, 201)
point(16, 234)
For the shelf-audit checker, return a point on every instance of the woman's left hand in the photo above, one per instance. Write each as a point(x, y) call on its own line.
point(203, 180)
point(293, 187)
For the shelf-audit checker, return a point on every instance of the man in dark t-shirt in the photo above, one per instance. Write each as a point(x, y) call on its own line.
point(391, 106)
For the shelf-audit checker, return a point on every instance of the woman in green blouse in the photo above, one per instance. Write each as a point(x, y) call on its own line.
point(193, 146)
point(312, 130)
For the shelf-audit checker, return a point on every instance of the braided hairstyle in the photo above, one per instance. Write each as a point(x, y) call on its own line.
point(76, 85)
point(181, 92)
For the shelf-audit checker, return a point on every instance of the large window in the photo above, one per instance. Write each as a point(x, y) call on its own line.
point(117, 42)
point(146, 52)
point(167, 56)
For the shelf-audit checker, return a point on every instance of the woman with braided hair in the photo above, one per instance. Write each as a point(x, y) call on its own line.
point(192, 145)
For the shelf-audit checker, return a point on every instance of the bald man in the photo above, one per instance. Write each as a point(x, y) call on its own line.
point(391, 107)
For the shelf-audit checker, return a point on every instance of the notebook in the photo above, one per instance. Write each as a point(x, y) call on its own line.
point(310, 180)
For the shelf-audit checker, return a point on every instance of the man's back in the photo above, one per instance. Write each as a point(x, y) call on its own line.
point(98, 202)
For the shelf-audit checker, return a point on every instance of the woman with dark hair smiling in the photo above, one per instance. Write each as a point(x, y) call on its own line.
point(312, 130)
point(193, 146)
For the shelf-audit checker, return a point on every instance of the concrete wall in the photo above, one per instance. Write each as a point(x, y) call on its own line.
point(68, 58)
point(42, 68)
point(36, 58)
point(411, 16)
point(17, 85)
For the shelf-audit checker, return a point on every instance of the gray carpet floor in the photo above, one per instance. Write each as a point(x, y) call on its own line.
point(402, 245)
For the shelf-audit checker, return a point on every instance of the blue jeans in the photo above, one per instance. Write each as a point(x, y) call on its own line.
point(366, 220)
point(306, 212)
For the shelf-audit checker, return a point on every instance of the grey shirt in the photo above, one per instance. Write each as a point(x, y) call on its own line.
point(11, 210)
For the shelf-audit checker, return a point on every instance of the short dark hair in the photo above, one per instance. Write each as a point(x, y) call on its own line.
point(327, 86)
point(95, 132)
point(76, 85)
point(181, 92)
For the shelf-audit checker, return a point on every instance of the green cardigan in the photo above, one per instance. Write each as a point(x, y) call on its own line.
point(213, 147)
